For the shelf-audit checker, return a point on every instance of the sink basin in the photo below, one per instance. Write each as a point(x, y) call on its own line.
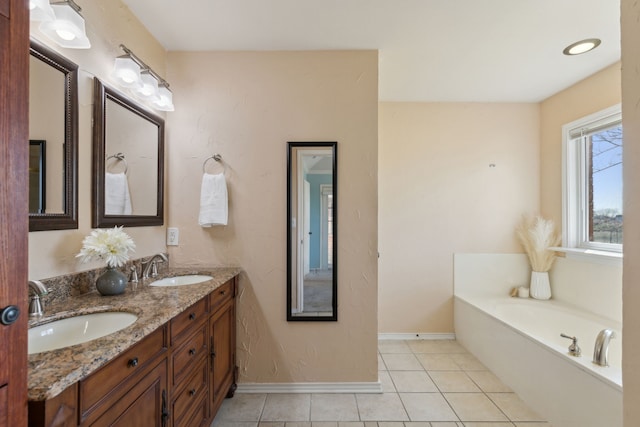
point(190, 279)
point(76, 330)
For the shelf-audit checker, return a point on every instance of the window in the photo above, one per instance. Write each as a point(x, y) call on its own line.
point(592, 207)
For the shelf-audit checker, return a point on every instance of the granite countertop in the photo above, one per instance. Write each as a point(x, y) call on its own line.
point(51, 372)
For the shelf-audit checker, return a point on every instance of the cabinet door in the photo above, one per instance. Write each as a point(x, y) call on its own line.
point(145, 404)
point(223, 348)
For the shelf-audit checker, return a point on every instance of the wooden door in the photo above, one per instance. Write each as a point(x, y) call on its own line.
point(14, 136)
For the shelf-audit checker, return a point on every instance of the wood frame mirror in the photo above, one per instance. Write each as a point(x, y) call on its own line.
point(61, 212)
point(114, 140)
point(312, 231)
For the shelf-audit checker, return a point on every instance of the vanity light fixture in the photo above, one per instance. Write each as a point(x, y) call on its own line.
point(67, 29)
point(126, 71)
point(40, 10)
point(132, 73)
point(148, 86)
point(165, 98)
point(583, 46)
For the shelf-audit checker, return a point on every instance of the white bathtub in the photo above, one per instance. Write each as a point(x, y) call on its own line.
point(519, 340)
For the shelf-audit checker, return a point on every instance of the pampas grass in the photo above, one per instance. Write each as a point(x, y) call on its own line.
point(536, 235)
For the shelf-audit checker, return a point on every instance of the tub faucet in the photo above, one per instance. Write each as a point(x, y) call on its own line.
point(574, 350)
point(150, 267)
point(35, 305)
point(601, 350)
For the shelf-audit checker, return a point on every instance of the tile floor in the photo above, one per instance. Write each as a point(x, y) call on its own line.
point(425, 384)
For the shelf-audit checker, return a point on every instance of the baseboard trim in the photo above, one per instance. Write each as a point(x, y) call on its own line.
point(417, 336)
point(372, 387)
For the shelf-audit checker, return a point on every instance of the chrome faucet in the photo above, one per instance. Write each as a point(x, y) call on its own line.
point(36, 308)
point(601, 350)
point(150, 269)
point(574, 349)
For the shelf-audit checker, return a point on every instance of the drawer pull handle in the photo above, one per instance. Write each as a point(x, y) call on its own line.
point(192, 392)
point(223, 292)
point(192, 352)
point(192, 316)
point(133, 362)
point(213, 354)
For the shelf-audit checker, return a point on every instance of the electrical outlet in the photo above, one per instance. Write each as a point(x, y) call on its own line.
point(173, 236)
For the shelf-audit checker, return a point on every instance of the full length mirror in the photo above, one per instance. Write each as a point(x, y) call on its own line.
point(53, 140)
point(128, 161)
point(312, 231)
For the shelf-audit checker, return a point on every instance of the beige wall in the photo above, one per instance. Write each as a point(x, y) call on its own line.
point(591, 95)
point(246, 106)
point(108, 23)
point(631, 271)
point(439, 195)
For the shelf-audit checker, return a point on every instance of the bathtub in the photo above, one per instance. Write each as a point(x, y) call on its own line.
point(519, 340)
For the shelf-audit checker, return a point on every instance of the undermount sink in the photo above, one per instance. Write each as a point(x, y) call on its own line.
point(77, 330)
point(190, 279)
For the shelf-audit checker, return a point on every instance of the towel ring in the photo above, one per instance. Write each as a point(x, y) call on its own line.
point(120, 157)
point(218, 158)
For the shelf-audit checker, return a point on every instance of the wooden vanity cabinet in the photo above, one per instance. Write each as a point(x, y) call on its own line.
point(177, 376)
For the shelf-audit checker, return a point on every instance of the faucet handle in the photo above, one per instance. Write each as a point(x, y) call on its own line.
point(154, 268)
point(574, 350)
point(134, 274)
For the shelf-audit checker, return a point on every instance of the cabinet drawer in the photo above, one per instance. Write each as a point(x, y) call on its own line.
point(198, 418)
point(105, 381)
point(223, 294)
point(192, 316)
point(189, 353)
point(194, 390)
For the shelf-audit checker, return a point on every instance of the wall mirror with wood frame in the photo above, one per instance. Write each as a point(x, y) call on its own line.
point(312, 251)
point(53, 140)
point(128, 161)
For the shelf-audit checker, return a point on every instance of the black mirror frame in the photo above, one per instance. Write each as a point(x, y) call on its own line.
point(101, 94)
point(68, 219)
point(334, 293)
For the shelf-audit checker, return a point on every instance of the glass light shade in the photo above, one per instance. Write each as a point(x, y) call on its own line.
point(126, 72)
point(165, 99)
point(40, 10)
point(67, 29)
point(148, 88)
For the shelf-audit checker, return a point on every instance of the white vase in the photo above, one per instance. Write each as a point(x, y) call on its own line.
point(540, 287)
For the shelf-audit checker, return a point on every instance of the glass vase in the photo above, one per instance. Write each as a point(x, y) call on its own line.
point(111, 282)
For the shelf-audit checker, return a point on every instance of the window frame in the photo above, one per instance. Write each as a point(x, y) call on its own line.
point(575, 222)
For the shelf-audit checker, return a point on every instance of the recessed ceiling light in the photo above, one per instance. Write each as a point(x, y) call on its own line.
point(582, 46)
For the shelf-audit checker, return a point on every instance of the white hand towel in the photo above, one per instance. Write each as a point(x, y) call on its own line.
point(213, 200)
point(117, 200)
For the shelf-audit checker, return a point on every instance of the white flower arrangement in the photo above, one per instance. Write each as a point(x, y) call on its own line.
point(537, 235)
point(110, 245)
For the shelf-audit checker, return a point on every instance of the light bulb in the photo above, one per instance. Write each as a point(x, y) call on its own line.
point(581, 47)
point(65, 35)
point(127, 76)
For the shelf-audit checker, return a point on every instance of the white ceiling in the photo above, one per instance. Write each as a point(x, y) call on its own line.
point(429, 50)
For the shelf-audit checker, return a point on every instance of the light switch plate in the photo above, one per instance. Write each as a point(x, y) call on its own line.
point(173, 236)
